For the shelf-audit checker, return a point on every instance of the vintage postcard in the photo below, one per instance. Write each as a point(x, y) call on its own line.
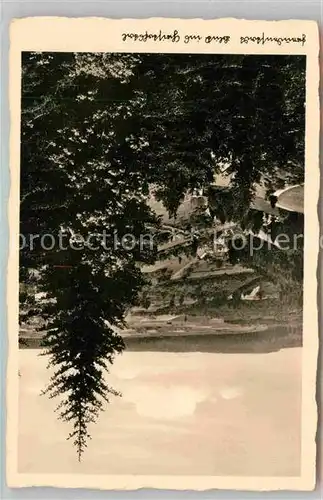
point(164, 238)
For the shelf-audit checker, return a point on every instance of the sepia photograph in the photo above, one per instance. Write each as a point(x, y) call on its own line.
point(161, 264)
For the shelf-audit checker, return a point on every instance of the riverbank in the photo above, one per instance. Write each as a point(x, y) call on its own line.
point(250, 326)
point(272, 339)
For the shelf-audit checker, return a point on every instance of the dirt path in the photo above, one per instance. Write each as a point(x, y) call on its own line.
point(291, 198)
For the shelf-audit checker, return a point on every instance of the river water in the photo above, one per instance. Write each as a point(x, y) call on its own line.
point(225, 412)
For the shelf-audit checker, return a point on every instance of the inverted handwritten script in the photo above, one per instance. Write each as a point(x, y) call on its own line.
point(176, 37)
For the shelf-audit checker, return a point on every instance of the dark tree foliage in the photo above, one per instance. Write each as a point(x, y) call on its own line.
point(78, 179)
point(98, 133)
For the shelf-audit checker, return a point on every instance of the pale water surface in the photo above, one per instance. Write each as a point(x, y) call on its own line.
point(194, 413)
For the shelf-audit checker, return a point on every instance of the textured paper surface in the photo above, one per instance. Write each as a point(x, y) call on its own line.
point(103, 35)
